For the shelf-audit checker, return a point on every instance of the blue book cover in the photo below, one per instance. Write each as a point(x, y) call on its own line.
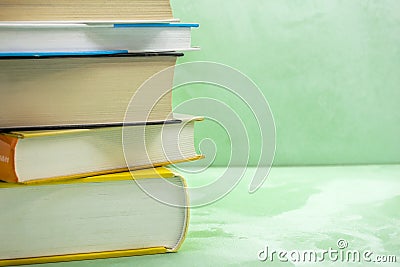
point(158, 25)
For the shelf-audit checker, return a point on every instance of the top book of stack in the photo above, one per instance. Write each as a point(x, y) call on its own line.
point(61, 27)
point(85, 11)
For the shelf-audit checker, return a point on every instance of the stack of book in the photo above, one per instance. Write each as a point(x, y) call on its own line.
point(71, 149)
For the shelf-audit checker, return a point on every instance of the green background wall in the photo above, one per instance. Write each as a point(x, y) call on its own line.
point(329, 69)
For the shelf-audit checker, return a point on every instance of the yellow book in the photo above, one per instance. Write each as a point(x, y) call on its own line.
point(91, 218)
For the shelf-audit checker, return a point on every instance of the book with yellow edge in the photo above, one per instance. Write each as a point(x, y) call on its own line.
point(29, 156)
point(91, 218)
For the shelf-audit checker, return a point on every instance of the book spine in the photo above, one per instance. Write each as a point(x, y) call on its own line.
point(7, 159)
point(187, 217)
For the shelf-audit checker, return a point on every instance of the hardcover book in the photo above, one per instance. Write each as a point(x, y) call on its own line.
point(78, 37)
point(82, 89)
point(28, 156)
point(89, 10)
point(96, 217)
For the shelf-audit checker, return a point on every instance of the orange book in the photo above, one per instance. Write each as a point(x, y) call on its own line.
point(32, 156)
point(7, 156)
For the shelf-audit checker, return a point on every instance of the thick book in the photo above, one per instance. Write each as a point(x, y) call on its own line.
point(66, 37)
point(68, 90)
point(91, 218)
point(89, 10)
point(28, 156)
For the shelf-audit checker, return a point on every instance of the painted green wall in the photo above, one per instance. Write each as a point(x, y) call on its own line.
point(329, 69)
